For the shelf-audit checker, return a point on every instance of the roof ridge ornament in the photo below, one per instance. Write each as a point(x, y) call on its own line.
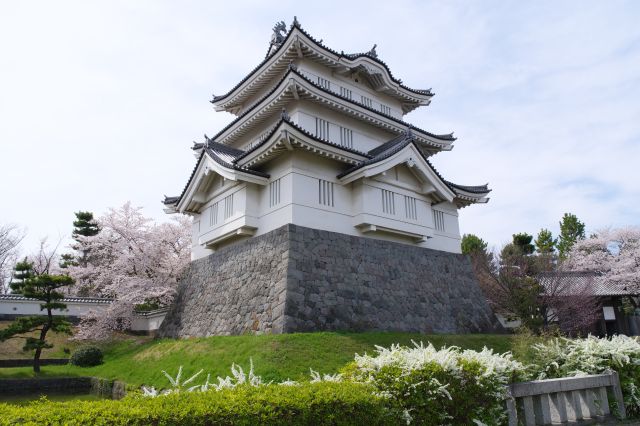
point(292, 65)
point(284, 115)
point(373, 52)
point(295, 22)
point(278, 36)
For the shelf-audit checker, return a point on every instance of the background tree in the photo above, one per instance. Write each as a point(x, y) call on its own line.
point(22, 271)
point(515, 288)
point(509, 286)
point(43, 287)
point(545, 243)
point(84, 225)
point(134, 261)
point(10, 238)
point(472, 243)
point(571, 231)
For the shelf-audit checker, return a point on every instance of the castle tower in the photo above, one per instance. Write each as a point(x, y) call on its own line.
point(320, 148)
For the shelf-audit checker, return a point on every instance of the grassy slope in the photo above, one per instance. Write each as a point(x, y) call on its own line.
point(275, 357)
point(12, 348)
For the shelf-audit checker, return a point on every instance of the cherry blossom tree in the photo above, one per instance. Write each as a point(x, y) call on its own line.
point(615, 253)
point(132, 260)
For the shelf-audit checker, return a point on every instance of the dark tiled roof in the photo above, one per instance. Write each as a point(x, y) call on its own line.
point(319, 44)
point(70, 299)
point(284, 119)
point(170, 200)
point(397, 144)
point(353, 56)
point(381, 153)
point(574, 283)
point(474, 189)
point(446, 137)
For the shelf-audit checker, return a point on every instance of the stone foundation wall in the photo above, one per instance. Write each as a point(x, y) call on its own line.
point(239, 289)
point(342, 282)
point(300, 279)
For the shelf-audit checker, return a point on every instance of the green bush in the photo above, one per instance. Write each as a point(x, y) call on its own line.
point(323, 403)
point(87, 356)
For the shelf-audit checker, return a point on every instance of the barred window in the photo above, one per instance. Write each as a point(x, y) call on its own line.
point(325, 193)
point(213, 214)
point(228, 206)
point(385, 109)
point(274, 193)
point(438, 220)
point(410, 208)
point(388, 202)
point(346, 137)
point(366, 101)
point(323, 82)
point(322, 129)
point(346, 93)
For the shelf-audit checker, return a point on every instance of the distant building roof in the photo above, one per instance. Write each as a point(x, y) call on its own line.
point(571, 283)
point(70, 299)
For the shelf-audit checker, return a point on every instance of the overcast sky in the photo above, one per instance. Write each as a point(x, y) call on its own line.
point(100, 101)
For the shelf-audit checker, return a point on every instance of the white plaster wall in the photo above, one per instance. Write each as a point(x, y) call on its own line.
point(298, 173)
point(312, 70)
point(149, 322)
point(365, 137)
point(31, 307)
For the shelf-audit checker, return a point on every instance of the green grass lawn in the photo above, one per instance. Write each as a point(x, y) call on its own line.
point(139, 361)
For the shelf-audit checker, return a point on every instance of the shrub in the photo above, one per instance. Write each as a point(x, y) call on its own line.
point(563, 357)
point(434, 387)
point(87, 356)
point(323, 403)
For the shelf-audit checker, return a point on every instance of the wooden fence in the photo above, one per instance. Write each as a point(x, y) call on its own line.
point(570, 399)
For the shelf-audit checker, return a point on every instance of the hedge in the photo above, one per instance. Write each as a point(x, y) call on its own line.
point(306, 404)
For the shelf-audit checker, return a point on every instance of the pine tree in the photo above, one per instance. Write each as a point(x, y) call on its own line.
point(545, 243)
point(522, 241)
point(472, 243)
point(571, 231)
point(45, 288)
point(22, 272)
point(84, 225)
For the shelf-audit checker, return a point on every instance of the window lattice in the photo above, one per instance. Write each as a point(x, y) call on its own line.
point(323, 82)
point(366, 101)
point(325, 193)
point(410, 208)
point(438, 220)
point(346, 93)
point(346, 137)
point(228, 206)
point(388, 202)
point(322, 129)
point(213, 214)
point(274, 193)
point(385, 109)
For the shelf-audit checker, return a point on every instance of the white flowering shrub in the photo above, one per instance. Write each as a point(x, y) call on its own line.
point(436, 387)
point(563, 357)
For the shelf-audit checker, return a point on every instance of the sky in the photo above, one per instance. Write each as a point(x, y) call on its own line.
point(100, 101)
